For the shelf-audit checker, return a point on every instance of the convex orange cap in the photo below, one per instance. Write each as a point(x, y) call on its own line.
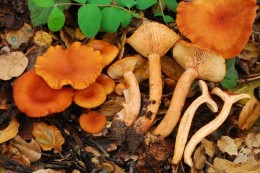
point(78, 66)
point(223, 26)
point(34, 97)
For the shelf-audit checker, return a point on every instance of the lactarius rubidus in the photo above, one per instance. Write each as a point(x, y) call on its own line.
point(185, 123)
point(229, 100)
point(152, 40)
point(198, 63)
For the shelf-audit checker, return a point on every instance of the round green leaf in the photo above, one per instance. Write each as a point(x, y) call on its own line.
point(125, 18)
point(110, 19)
point(100, 2)
point(81, 1)
point(89, 19)
point(144, 4)
point(44, 3)
point(129, 3)
point(56, 19)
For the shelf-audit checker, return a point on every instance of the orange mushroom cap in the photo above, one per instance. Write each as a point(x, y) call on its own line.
point(34, 97)
point(90, 97)
point(107, 50)
point(92, 122)
point(223, 26)
point(106, 82)
point(79, 66)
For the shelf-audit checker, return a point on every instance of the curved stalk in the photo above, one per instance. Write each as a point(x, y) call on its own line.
point(174, 111)
point(229, 100)
point(185, 123)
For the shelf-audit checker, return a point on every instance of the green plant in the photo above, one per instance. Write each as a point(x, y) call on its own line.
point(94, 15)
point(231, 77)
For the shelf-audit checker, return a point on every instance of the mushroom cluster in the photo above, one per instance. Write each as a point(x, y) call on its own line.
point(62, 75)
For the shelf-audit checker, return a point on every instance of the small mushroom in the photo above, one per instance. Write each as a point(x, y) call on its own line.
point(92, 122)
point(185, 123)
point(120, 87)
point(78, 66)
point(198, 63)
point(90, 97)
point(229, 100)
point(107, 50)
point(34, 97)
point(106, 82)
point(210, 24)
point(152, 40)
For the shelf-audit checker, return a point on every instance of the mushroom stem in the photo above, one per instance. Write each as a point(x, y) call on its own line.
point(133, 99)
point(229, 100)
point(155, 82)
point(174, 111)
point(185, 123)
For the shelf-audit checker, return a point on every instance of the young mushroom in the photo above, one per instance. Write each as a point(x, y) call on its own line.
point(33, 96)
point(229, 100)
point(218, 22)
point(198, 63)
point(106, 82)
point(185, 123)
point(152, 40)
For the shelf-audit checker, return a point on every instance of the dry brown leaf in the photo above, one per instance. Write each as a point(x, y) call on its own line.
point(12, 65)
point(79, 35)
point(210, 147)
point(227, 144)
point(222, 165)
point(49, 171)
point(253, 140)
point(249, 114)
point(239, 142)
point(251, 50)
point(48, 137)
point(199, 157)
point(42, 38)
point(9, 132)
point(31, 150)
point(245, 154)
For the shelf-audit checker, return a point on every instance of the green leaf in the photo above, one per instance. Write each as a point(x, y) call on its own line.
point(100, 2)
point(44, 3)
point(231, 77)
point(56, 19)
point(89, 19)
point(119, 3)
point(40, 15)
point(110, 19)
point(125, 18)
point(172, 4)
point(166, 18)
point(144, 4)
point(81, 1)
point(128, 3)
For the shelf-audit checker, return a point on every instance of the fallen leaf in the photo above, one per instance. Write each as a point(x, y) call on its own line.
point(48, 137)
point(42, 38)
point(245, 154)
point(31, 150)
point(253, 140)
point(227, 144)
point(9, 132)
point(222, 165)
point(49, 171)
point(12, 65)
point(251, 50)
point(199, 157)
point(210, 147)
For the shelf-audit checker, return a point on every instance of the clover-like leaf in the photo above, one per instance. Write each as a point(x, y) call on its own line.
point(128, 3)
point(171, 4)
point(144, 4)
point(81, 1)
point(89, 19)
point(44, 3)
point(110, 19)
point(100, 2)
point(56, 19)
point(48, 137)
point(231, 77)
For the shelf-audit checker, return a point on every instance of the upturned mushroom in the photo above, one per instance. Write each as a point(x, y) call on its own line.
point(210, 24)
point(152, 40)
point(229, 100)
point(185, 123)
point(127, 116)
point(198, 63)
point(33, 96)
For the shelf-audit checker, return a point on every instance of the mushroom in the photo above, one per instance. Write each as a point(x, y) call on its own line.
point(34, 97)
point(152, 40)
point(229, 100)
point(198, 63)
point(90, 97)
point(107, 50)
point(78, 66)
point(106, 82)
point(218, 22)
point(185, 123)
point(92, 122)
point(127, 116)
